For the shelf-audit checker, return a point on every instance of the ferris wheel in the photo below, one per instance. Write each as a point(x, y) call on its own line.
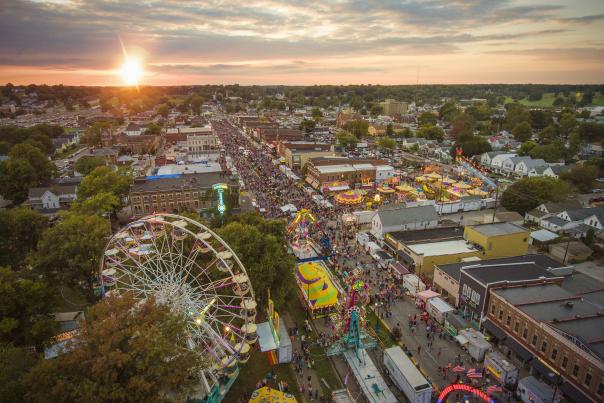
point(185, 265)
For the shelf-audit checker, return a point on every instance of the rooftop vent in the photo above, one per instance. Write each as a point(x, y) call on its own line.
point(569, 304)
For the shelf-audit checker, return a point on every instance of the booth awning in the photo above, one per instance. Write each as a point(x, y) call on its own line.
point(518, 349)
point(495, 330)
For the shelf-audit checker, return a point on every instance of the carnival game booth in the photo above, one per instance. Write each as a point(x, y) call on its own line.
point(270, 395)
point(317, 288)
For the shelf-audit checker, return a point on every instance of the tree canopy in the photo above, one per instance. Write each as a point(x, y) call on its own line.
point(522, 132)
point(260, 245)
point(104, 179)
point(25, 307)
point(581, 177)
point(88, 163)
point(528, 193)
point(346, 139)
point(426, 119)
point(387, 143)
point(15, 364)
point(125, 352)
point(20, 231)
point(69, 251)
point(359, 128)
point(430, 132)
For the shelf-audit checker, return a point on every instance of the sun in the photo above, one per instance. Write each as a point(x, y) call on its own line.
point(131, 71)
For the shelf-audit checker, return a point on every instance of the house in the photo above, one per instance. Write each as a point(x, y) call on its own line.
point(524, 166)
point(538, 170)
point(486, 158)
point(509, 165)
point(134, 130)
point(576, 222)
point(48, 200)
point(498, 160)
point(554, 171)
point(546, 210)
point(399, 218)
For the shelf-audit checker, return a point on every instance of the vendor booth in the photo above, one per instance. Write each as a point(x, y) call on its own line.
point(318, 290)
point(438, 309)
point(270, 395)
point(412, 284)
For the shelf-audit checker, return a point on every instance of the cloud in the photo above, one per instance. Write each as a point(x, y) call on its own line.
point(256, 36)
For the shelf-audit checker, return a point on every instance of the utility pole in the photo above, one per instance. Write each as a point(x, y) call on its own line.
point(496, 200)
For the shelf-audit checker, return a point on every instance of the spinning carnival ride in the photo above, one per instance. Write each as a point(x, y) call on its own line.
point(184, 264)
point(301, 235)
point(350, 320)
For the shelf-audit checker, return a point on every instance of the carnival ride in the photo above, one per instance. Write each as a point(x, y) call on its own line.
point(473, 169)
point(302, 237)
point(317, 287)
point(353, 341)
point(185, 265)
point(350, 319)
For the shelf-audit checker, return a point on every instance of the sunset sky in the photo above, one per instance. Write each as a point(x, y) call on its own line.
point(77, 42)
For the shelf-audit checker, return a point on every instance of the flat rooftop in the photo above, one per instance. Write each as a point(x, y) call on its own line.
point(442, 248)
point(542, 261)
point(423, 235)
point(499, 228)
point(578, 315)
point(507, 272)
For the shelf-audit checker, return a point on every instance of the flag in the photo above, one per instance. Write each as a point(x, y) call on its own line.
point(494, 389)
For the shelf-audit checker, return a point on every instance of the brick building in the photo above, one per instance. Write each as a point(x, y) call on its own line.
point(557, 330)
point(185, 192)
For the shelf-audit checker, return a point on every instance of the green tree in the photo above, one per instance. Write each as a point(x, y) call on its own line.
point(522, 132)
point(20, 231)
point(16, 177)
point(386, 143)
point(308, 125)
point(153, 129)
point(527, 193)
point(426, 119)
point(574, 144)
point(473, 145)
point(316, 114)
point(104, 179)
point(102, 204)
point(359, 128)
point(430, 132)
point(540, 118)
point(449, 111)
point(92, 136)
point(463, 126)
point(591, 132)
point(88, 163)
point(126, 351)
point(25, 307)
point(69, 252)
point(516, 114)
point(582, 177)
point(548, 135)
point(389, 130)
point(553, 152)
point(526, 147)
point(375, 110)
point(567, 123)
point(264, 256)
point(346, 139)
point(163, 110)
point(15, 364)
point(196, 103)
point(37, 159)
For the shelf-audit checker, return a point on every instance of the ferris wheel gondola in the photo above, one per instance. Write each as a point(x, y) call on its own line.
point(182, 263)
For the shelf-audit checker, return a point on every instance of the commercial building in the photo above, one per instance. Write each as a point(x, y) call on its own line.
point(401, 218)
point(498, 239)
point(198, 139)
point(447, 245)
point(556, 329)
point(176, 193)
point(355, 172)
point(297, 154)
point(447, 277)
point(391, 107)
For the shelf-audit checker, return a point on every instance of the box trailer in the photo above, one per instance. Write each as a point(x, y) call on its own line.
point(477, 345)
point(438, 309)
point(406, 376)
point(502, 369)
point(532, 390)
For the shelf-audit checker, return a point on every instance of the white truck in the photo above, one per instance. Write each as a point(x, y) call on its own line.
point(406, 376)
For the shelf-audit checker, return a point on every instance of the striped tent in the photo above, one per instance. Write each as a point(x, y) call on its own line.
point(316, 285)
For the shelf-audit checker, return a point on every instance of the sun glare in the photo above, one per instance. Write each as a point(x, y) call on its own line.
point(131, 71)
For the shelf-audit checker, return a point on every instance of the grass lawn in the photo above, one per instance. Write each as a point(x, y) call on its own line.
point(598, 100)
point(384, 335)
point(256, 369)
point(546, 101)
point(324, 370)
